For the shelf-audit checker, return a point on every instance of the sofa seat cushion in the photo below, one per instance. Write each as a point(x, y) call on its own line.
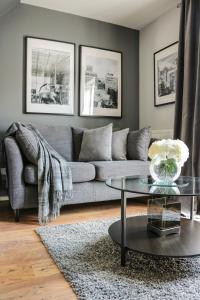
point(108, 169)
point(81, 172)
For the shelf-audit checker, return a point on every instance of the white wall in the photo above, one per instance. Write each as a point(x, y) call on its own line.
point(159, 34)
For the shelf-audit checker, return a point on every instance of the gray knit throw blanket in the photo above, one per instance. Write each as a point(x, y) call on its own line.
point(54, 177)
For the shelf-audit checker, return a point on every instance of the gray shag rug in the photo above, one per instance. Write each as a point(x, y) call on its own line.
point(90, 261)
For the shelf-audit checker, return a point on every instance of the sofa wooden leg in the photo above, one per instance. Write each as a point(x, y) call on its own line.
point(16, 212)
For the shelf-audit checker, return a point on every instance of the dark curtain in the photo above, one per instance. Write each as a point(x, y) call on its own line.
point(187, 108)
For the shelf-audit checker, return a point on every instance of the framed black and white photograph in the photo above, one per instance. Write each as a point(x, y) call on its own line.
point(100, 82)
point(165, 72)
point(49, 76)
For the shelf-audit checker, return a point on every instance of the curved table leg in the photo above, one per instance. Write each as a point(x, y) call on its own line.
point(123, 229)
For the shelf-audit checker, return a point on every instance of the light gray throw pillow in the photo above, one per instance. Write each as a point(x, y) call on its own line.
point(28, 144)
point(119, 144)
point(138, 144)
point(97, 144)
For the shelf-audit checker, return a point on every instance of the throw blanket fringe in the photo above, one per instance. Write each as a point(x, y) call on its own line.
point(54, 177)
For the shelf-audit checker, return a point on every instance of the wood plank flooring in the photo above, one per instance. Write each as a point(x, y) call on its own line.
point(27, 271)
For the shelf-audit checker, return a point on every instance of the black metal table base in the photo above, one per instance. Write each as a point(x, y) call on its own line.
point(139, 239)
point(123, 229)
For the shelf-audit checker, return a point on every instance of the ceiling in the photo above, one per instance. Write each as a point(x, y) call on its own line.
point(129, 13)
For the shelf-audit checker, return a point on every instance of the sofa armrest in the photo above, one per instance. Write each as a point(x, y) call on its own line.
point(15, 167)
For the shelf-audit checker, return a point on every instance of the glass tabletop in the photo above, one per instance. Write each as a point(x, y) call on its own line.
point(183, 186)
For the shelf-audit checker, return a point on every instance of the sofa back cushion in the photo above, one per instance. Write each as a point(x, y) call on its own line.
point(138, 144)
point(97, 144)
point(77, 133)
point(59, 137)
point(119, 144)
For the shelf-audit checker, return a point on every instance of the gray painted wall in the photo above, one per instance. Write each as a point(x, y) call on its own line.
point(28, 20)
point(155, 36)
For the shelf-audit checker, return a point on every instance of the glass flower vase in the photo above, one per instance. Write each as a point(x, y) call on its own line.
point(164, 171)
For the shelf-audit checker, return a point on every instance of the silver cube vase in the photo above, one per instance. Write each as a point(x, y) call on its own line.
point(164, 216)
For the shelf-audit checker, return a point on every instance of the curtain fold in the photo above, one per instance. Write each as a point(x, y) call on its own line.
point(187, 108)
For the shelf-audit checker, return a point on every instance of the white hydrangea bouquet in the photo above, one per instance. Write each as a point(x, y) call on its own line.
point(167, 158)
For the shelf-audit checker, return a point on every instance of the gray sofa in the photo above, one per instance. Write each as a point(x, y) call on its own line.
point(88, 178)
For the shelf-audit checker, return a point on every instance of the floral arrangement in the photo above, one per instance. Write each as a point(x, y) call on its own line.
point(167, 158)
point(170, 149)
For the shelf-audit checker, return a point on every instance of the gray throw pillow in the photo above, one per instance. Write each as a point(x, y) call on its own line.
point(97, 144)
point(138, 144)
point(28, 144)
point(119, 144)
point(77, 141)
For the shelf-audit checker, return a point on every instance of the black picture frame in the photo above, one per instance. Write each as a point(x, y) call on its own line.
point(25, 91)
point(166, 50)
point(80, 80)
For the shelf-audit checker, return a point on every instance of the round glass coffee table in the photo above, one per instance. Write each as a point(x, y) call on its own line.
point(132, 234)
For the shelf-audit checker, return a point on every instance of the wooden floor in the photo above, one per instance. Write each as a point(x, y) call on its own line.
point(26, 270)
